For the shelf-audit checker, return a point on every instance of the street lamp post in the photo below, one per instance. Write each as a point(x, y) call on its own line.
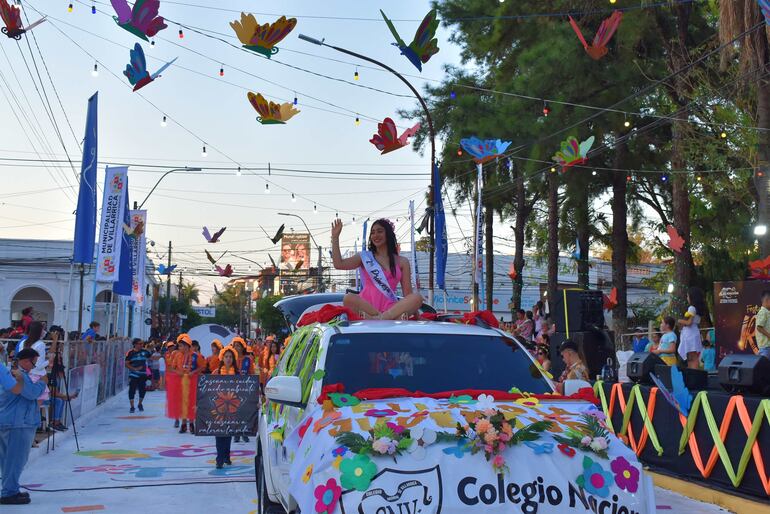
point(159, 180)
point(431, 132)
point(320, 250)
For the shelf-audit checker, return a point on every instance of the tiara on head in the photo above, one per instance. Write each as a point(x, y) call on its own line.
point(386, 220)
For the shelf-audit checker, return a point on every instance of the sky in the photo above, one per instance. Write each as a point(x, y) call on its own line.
point(205, 109)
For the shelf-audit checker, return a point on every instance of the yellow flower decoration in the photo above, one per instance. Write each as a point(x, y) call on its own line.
point(528, 402)
point(307, 474)
point(336, 463)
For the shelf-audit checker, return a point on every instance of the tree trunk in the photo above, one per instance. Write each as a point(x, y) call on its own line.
point(518, 234)
point(762, 183)
point(580, 191)
point(619, 242)
point(553, 238)
point(680, 194)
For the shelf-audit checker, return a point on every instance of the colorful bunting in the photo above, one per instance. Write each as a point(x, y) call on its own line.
point(215, 237)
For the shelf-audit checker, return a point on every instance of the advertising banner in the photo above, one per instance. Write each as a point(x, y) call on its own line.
point(227, 405)
point(295, 263)
point(735, 309)
point(138, 253)
point(206, 312)
point(111, 226)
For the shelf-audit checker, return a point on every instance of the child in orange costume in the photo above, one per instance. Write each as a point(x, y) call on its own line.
point(228, 365)
point(245, 367)
point(212, 363)
point(182, 383)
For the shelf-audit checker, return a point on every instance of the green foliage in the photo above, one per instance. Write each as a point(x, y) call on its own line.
point(270, 319)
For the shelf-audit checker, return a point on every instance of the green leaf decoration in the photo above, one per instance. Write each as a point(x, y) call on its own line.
point(319, 374)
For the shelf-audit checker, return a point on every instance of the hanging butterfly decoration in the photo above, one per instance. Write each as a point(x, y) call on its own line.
point(136, 70)
point(484, 150)
point(675, 242)
point(262, 38)
point(142, 20)
point(163, 270)
point(278, 234)
point(271, 113)
point(227, 271)
point(598, 48)
point(215, 237)
point(572, 152)
point(387, 139)
point(611, 301)
point(11, 15)
point(423, 46)
point(760, 269)
point(577, 252)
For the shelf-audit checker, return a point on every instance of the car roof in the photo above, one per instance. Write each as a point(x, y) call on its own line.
point(410, 327)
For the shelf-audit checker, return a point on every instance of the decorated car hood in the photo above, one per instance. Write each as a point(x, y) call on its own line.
point(462, 454)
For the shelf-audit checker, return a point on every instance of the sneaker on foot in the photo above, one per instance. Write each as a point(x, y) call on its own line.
point(132, 410)
point(229, 462)
point(219, 465)
point(140, 407)
point(16, 499)
point(245, 439)
point(176, 423)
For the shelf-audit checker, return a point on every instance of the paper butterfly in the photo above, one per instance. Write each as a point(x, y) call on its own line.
point(764, 5)
point(142, 21)
point(680, 400)
point(211, 259)
point(163, 270)
point(11, 15)
point(540, 449)
point(458, 450)
point(484, 150)
point(611, 300)
point(271, 113)
point(227, 271)
point(387, 138)
point(136, 70)
point(215, 237)
point(572, 152)
point(423, 46)
point(278, 235)
point(675, 242)
point(262, 38)
point(598, 48)
point(512, 273)
point(760, 269)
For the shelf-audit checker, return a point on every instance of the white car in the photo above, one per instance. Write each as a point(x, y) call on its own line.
point(419, 417)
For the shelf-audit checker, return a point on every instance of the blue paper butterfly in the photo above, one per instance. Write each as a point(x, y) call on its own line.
point(540, 449)
point(458, 450)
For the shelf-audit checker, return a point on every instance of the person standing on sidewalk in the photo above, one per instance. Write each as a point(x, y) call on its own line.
point(19, 416)
point(136, 362)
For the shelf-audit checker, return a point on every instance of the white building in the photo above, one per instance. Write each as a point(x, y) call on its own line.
point(38, 274)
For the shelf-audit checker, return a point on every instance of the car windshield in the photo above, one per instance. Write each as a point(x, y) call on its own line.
point(430, 363)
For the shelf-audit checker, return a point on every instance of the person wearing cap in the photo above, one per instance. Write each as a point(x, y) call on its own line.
point(574, 368)
point(19, 417)
point(212, 363)
point(183, 383)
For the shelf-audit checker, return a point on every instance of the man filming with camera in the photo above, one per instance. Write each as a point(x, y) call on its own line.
point(19, 416)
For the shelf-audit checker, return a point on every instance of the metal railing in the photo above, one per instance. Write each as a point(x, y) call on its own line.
point(625, 342)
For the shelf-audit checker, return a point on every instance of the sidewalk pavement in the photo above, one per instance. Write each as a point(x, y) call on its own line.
point(131, 463)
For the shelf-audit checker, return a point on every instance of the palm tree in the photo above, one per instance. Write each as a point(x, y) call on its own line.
point(189, 293)
point(736, 17)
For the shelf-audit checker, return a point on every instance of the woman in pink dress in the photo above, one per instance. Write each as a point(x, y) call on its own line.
point(382, 270)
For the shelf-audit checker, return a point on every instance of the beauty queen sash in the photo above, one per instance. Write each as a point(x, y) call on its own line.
point(375, 272)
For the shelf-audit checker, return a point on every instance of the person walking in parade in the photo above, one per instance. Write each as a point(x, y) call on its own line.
point(136, 362)
point(182, 383)
point(228, 366)
point(246, 366)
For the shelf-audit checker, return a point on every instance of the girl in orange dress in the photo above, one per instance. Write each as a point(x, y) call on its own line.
point(228, 365)
point(183, 383)
point(245, 367)
point(212, 363)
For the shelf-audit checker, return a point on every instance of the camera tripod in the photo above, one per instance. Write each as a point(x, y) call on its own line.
point(58, 368)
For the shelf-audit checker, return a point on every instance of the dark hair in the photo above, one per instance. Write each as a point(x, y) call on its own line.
point(136, 340)
point(27, 353)
point(539, 306)
point(546, 339)
point(34, 333)
point(235, 360)
point(569, 344)
point(521, 311)
point(765, 293)
point(390, 241)
point(698, 300)
point(94, 324)
point(26, 310)
point(671, 322)
point(529, 315)
point(277, 347)
point(196, 343)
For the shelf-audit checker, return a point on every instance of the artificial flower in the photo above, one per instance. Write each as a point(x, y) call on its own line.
point(357, 472)
point(426, 435)
point(380, 413)
point(397, 429)
point(567, 450)
point(482, 426)
point(626, 475)
point(485, 402)
point(307, 474)
point(595, 479)
point(327, 495)
point(586, 440)
point(599, 443)
point(498, 462)
point(343, 400)
point(383, 445)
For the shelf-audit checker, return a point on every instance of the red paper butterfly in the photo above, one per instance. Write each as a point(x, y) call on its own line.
point(676, 242)
point(512, 274)
point(611, 301)
point(598, 48)
point(387, 140)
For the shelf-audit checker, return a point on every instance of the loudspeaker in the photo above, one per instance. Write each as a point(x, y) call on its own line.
point(694, 379)
point(745, 373)
point(594, 346)
point(578, 310)
point(640, 365)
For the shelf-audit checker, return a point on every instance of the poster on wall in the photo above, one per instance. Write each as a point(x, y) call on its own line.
point(227, 405)
point(735, 310)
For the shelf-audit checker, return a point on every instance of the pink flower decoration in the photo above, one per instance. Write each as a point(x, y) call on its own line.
point(394, 427)
point(626, 476)
point(498, 461)
point(327, 496)
point(380, 413)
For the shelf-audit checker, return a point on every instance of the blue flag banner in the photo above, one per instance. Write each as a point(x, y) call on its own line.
point(123, 286)
point(439, 230)
point(85, 219)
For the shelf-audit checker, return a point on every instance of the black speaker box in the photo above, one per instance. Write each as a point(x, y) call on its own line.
point(694, 379)
point(745, 373)
point(640, 365)
point(594, 346)
point(578, 310)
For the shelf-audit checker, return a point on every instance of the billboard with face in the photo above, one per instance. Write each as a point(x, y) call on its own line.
point(295, 253)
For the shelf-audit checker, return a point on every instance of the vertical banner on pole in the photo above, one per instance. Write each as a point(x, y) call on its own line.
point(439, 231)
point(122, 285)
point(415, 265)
point(138, 253)
point(479, 236)
point(111, 226)
point(85, 218)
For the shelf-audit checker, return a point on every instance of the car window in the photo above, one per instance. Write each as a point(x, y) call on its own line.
point(430, 363)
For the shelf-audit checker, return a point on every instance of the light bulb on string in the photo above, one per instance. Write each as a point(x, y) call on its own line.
point(163, 122)
point(553, 170)
point(354, 220)
point(452, 95)
point(238, 172)
point(69, 8)
point(593, 173)
point(293, 198)
point(723, 135)
point(181, 33)
point(546, 109)
point(295, 98)
point(664, 178)
point(699, 178)
point(355, 75)
point(221, 70)
point(315, 209)
point(613, 1)
point(626, 123)
point(95, 71)
point(670, 288)
point(358, 120)
point(204, 153)
point(760, 173)
point(459, 152)
point(93, 8)
point(267, 188)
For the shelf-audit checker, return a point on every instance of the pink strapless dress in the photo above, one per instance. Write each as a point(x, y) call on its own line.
point(371, 294)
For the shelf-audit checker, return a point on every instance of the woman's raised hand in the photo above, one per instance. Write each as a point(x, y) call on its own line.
point(336, 228)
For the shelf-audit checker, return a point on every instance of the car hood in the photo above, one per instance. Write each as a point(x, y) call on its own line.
point(394, 454)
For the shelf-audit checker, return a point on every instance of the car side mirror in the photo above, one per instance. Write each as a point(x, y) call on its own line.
point(286, 390)
point(573, 386)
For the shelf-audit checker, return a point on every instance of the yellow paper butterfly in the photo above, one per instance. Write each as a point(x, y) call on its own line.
point(262, 38)
point(271, 113)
